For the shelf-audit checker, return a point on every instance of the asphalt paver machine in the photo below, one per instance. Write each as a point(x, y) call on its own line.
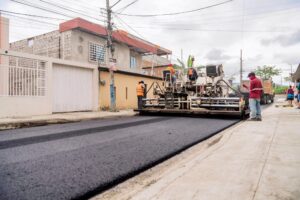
point(208, 94)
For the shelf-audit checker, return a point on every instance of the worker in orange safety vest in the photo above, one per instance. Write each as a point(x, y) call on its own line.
point(140, 91)
point(192, 74)
point(172, 72)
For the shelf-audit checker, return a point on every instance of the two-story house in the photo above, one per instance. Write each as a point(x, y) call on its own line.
point(84, 41)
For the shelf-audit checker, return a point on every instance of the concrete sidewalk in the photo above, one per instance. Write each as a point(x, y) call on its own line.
point(19, 122)
point(252, 160)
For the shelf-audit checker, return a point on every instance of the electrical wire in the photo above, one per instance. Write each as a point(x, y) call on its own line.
point(176, 13)
point(220, 21)
point(30, 15)
point(82, 5)
point(70, 10)
point(125, 7)
point(115, 4)
point(235, 17)
point(20, 23)
point(122, 22)
point(31, 20)
point(41, 8)
point(207, 30)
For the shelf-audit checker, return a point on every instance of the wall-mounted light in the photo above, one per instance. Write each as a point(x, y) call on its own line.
point(102, 82)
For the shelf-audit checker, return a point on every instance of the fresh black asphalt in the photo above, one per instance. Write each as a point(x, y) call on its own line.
point(78, 160)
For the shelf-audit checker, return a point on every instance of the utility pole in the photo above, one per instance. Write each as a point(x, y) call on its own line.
point(241, 69)
point(181, 55)
point(110, 54)
point(291, 74)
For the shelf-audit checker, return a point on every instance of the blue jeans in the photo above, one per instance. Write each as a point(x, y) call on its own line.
point(255, 111)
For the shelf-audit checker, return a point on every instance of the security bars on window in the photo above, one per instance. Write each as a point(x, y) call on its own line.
point(97, 53)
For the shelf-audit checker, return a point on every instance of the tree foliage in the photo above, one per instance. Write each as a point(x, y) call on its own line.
point(267, 72)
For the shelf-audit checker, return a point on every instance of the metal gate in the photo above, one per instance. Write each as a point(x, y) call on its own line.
point(72, 89)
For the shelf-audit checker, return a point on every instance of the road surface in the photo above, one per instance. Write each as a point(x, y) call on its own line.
point(79, 160)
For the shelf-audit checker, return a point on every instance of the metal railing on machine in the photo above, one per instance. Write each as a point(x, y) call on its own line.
point(21, 76)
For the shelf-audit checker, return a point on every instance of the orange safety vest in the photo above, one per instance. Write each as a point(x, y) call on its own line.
point(140, 90)
point(171, 69)
point(190, 71)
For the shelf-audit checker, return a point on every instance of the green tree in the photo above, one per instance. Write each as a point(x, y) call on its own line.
point(267, 72)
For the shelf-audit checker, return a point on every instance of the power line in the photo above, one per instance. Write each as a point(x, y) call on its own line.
point(221, 21)
point(28, 25)
point(82, 5)
point(205, 30)
point(123, 22)
point(69, 9)
point(31, 20)
point(122, 9)
point(236, 17)
point(115, 4)
point(38, 16)
point(41, 8)
point(176, 13)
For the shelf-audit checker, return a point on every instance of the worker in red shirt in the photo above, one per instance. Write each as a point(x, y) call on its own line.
point(255, 92)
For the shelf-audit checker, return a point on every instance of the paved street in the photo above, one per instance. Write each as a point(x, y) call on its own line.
point(77, 160)
point(248, 161)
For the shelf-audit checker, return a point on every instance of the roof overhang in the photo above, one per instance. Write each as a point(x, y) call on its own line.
point(83, 25)
point(105, 69)
point(296, 75)
point(156, 66)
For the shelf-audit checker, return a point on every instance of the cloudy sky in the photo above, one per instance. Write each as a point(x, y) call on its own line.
point(268, 31)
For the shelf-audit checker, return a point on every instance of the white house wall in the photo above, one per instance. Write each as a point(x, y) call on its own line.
point(26, 105)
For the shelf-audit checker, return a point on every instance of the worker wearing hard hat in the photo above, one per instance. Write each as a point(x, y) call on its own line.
point(192, 74)
point(140, 91)
point(172, 72)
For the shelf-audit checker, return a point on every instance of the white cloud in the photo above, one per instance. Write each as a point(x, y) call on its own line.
point(284, 39)
point(291, 58)
point(217, 55)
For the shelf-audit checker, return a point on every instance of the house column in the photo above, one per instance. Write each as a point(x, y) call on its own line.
point(4, 60)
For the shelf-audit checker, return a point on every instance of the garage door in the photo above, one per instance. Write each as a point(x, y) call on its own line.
point(72, 89)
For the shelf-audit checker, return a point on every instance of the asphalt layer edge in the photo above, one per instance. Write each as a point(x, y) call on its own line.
point(75, 133)
point(103, 187)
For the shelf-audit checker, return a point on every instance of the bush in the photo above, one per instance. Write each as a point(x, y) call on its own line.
point(280, 89)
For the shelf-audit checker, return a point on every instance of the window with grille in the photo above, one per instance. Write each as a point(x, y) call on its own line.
point(97, 52)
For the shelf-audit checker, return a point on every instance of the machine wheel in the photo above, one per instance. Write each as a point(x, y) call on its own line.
point(244, 116)
point(265, 100)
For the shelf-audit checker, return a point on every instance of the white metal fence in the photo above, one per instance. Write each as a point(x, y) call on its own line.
point(22, 77)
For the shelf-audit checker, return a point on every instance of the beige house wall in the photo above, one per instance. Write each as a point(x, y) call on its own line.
point(80, 49)
point(125, 90)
